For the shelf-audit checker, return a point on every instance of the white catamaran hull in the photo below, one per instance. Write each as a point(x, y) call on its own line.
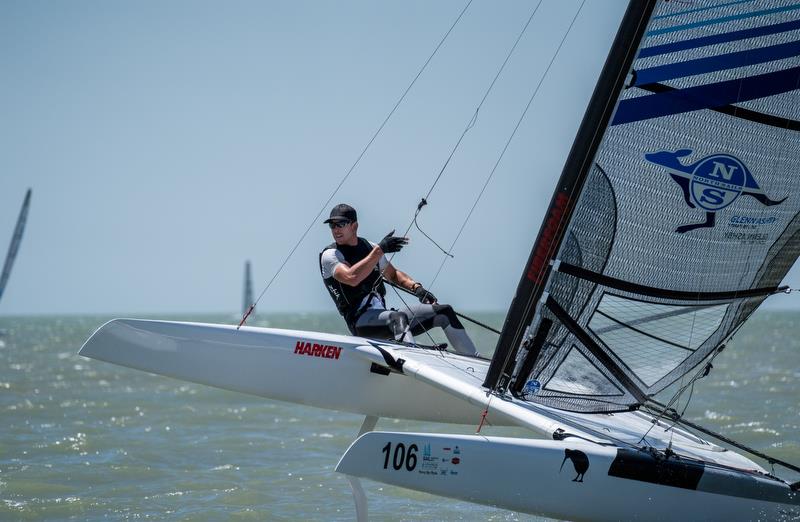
point(387, 380)
point(354, 374)
point(311, 368)
point(575, 480)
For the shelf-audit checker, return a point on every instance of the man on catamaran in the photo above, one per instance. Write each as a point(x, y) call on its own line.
point(353, 270)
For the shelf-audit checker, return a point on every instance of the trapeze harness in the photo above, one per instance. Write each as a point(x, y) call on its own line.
point(348, 298)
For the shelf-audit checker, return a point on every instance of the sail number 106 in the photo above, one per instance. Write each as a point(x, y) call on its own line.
point(401, 456)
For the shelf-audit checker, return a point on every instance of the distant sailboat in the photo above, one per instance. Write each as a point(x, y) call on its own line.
point(16, 239)
point(248, 289)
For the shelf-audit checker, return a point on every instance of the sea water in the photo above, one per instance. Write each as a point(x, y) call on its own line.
point(86, 440)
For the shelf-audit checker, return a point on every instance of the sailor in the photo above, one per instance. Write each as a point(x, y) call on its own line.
point(353, 270)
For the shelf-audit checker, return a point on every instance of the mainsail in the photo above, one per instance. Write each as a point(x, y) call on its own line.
point(16, 239)
point(676, 214)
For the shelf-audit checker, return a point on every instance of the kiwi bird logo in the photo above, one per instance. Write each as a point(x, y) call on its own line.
point(711, 183)
point(579, 461)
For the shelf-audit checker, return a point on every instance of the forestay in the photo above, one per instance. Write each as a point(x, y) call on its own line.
point(685, 220)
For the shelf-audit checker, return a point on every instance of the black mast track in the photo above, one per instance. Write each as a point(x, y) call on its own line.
point(576, 168)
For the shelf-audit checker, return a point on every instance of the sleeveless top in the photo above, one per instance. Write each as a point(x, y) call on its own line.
point(348, 298)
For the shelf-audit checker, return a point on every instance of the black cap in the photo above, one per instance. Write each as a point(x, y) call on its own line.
point(342, 212)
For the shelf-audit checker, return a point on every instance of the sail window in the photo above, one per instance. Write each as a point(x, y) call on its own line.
point(652, 339)
point(577, 375)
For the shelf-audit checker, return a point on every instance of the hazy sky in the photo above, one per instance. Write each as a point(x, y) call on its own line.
point(168, 142)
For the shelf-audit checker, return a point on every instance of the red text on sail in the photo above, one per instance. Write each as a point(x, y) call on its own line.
point(542, 253)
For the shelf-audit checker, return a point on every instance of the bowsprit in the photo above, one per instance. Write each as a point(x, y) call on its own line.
point(711, 183)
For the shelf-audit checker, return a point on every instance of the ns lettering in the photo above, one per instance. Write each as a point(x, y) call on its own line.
point(712, 196)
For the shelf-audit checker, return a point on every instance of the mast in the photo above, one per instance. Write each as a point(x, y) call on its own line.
point(16, 239)
point(590, 134)
point(248, 288)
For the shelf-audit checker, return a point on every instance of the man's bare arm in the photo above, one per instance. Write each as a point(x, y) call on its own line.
point(355, 274)
point(400, 278)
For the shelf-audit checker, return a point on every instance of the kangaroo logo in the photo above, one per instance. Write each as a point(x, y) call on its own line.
point(711, 184)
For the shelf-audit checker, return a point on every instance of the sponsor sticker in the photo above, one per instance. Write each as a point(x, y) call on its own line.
point(441, 462)
point(326, 351)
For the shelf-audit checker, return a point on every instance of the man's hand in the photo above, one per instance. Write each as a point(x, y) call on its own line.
point(391, 243)
point(424, 296)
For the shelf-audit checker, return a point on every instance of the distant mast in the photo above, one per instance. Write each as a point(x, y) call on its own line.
point(248, 289)
point(16, 239)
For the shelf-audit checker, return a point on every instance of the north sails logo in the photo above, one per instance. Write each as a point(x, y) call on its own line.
point(711, 184)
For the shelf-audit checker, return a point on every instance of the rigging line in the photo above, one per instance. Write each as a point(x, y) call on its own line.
point(441, 355)
point(445, 252)
point(474, 118)
point(520, 327)
point(470, 124)
point(705, 369)
point(664, 411)
point(421, 204)
point(727, 440)
point(507, 144)
point(357, 161)
point(701, 372)
point(680, 420)
point(470, 319)
point(689, 399)
point(411, 320)
point(570, 421)
point(484, 414)
point(674, 399)
point(398, 288)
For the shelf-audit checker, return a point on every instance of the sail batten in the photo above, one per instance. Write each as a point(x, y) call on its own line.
point(708, 96)
point(737, 111)
point(612, 282)
point(685, 221)
point(733, 36)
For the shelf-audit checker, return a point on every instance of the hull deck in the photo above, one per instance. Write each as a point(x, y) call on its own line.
point(303, 367)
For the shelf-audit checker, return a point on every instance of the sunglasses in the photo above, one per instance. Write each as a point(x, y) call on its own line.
point(338, 224)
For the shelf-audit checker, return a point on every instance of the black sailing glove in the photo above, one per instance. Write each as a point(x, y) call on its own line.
point(391, 243)
point(424, 296)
